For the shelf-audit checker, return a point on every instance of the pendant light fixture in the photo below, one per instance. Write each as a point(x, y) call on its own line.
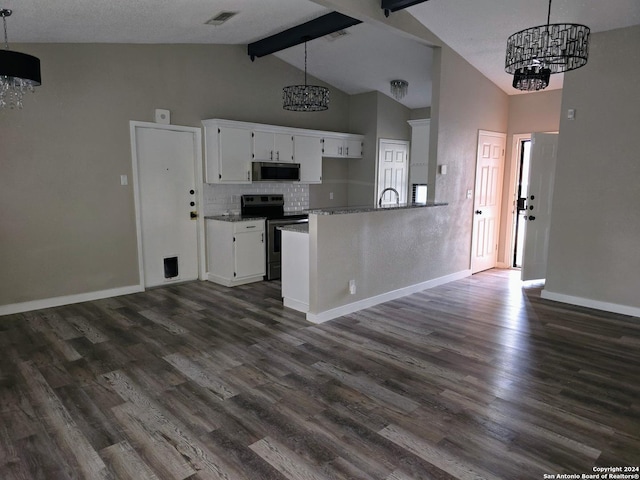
point(305, 98)
point(537, 52)
point(19, 72)
point(399, 88)
point(531, 79)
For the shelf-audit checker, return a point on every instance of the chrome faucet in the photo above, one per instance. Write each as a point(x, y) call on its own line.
point(389, 189)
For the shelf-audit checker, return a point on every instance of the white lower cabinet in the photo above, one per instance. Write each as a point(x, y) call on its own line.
point(235, 251)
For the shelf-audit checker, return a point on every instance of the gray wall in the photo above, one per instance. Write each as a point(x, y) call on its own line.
point(67, 226)
point(464, 101)
point(528, 113)
point(375, 116)
point(594, 244)
point(371, 246)
point(335, 173)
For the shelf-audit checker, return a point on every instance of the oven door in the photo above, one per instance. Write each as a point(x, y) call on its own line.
point(274, 244)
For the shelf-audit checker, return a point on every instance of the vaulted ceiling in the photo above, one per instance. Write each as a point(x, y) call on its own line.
point(366, 58)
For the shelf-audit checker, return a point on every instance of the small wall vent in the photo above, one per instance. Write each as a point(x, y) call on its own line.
point(220, 18)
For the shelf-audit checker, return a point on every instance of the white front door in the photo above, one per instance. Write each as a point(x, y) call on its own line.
point(164, 162)
point(393, 168)
point(542, 171)
point(487, 200)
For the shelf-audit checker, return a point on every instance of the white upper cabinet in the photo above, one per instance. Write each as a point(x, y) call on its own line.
point(307, 152)
point(349, 146)
point(272, 147)
point(231, 146)
point(227, 153)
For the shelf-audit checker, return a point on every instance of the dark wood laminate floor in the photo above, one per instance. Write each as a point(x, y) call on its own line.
point(479, 378)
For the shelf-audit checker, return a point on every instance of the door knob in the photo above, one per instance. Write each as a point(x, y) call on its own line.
point(531, 217)
point(192, 192)
point(533, 197)
point(193, 215)
point(478, 212)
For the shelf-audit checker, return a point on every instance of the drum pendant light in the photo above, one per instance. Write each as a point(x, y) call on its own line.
point(19, 72)
point(537, 52)
point(305, 98)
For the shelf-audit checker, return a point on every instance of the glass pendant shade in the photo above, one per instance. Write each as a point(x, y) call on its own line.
point(399, 88)
point(19, 72)
point(305, 98)
point(531, 79)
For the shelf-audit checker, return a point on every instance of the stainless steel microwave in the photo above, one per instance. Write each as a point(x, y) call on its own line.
point(275, 172)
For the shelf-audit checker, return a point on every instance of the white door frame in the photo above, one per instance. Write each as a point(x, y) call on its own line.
point(197, 140)
point(516, 150)
point(500, 184)
point(407, 144)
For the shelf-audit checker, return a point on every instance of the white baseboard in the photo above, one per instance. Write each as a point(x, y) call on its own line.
point(589, 303)
point(232, 283)
point(384, 297)
point(68, 300)
point(295, 305)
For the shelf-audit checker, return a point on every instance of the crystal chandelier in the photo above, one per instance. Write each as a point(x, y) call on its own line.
point(19, 72)
point(535, 53)
point(305, 98)
point(399, 88)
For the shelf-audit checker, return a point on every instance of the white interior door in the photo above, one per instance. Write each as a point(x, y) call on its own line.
point(542, 170)
point(393, 172)
point(165, 163)
point(487, 200)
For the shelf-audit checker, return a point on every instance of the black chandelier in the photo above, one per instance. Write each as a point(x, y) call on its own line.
point(537, 52)
point(305, 98)
point(531, 79)
point(19, 72)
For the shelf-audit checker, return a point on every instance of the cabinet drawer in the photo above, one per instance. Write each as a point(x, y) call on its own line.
point(249, 226)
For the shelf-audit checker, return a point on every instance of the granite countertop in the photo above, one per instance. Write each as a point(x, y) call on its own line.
point(296, 227)
point(233, 218)
point(364, 209)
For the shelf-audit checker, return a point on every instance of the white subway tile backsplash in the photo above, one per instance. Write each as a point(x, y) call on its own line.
point(224, 198)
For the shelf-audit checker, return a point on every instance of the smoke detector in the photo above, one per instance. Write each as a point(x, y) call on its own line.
point(220, 18)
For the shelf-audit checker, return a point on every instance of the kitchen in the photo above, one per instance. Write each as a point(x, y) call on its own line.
point(69, 225)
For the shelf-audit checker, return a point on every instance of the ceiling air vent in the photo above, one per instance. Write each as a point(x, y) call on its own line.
point(220, 18)
point(336, 35)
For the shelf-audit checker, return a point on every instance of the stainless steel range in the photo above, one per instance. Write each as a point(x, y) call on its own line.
point(272, 207)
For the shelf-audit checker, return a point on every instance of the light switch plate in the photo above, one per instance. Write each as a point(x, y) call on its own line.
point(124, 180)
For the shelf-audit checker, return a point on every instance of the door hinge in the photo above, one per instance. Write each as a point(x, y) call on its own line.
point(219, 176)
point(234, 274)
point(234, 239)
point(219, 131)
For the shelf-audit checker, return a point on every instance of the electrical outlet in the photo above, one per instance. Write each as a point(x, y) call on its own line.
point(352, 287)
point(469, 194)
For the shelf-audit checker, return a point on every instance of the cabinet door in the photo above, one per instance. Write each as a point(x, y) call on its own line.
point(263, 147)
point(308, 153)
point(249, 254)
point(353, 148)
point(235, 155)
point(283, 147)
point(333, 147)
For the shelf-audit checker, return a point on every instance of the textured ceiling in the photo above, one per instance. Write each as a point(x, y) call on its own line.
point(366, 59)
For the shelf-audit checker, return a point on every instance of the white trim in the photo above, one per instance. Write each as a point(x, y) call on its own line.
point(513, 182)
point(295, 305)
point(212, 277)
point(68, 299)
point(589, 303)
point(384, 297)
point(199, 187)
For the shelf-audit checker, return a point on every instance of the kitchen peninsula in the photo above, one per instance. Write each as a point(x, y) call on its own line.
point(352, 258)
